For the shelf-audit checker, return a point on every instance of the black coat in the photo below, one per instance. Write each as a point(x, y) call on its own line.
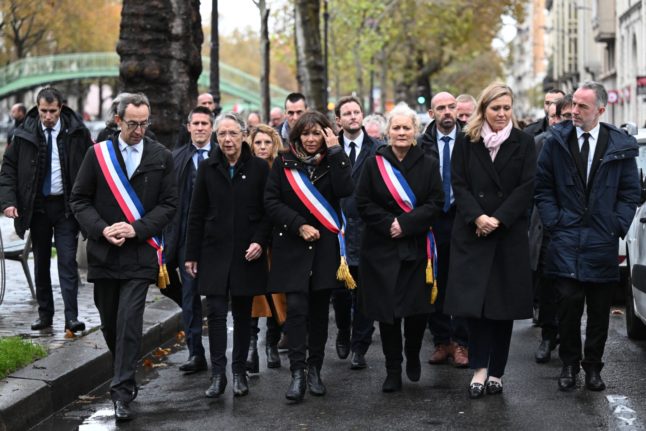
point(537, 127)
point(355, 225)
point(95, 208)
point(392, 271)
point(490, 276)
point(24, 163)
point(226, 216)
point(297, 265)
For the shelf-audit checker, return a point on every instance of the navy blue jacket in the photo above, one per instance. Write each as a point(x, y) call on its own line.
point(585, 223)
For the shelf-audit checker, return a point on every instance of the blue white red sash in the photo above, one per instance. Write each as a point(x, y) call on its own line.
point(405, 198)
point(127, 198)
point(316, 203)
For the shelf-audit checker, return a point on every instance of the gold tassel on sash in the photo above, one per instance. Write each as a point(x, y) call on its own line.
point(431, 280)
point(163, 280)
point(343, 274)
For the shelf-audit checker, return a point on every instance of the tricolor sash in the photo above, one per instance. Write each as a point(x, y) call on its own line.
point(128, 200)
point(405, 198)
point(325, 214)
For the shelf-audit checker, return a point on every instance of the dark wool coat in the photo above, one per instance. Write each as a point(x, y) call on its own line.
point(392, 271)
point(489, 276)
point(354, 227)
point(23, 166)
point(96, 208)
point(297, 265)
point(585, 223)
point(226, 216)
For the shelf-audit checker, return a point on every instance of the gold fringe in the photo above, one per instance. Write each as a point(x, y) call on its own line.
point(434, 292)
point(431, 280)
point(343, 274)
point(163, 280)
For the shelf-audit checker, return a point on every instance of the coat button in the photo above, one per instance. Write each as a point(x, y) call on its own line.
point(285, 226)
point(280, 234)
point(310, 247)
point(480, 195)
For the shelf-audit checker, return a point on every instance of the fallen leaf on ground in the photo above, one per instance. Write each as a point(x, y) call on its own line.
point(148, 363)
point(617, 312)
point(160, 353)
point(69, 334)
point(87, 397)
point(180, 336)
point(160, 365)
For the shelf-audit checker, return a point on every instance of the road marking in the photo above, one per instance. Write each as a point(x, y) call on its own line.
point(625, 417)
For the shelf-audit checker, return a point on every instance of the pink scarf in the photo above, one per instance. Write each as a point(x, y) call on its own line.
point(493, 140)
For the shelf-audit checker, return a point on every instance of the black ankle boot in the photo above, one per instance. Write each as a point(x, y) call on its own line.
point(240, 386)
point(393, 381)
point(296, 390)
point(218, 383)
point(252, 357)
point(273, 358)
point(314, 381)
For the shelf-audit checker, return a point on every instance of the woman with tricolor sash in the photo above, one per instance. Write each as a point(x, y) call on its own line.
point(302, 199)
point(398, 196)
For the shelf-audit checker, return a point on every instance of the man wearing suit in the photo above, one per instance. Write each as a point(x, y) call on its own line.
point(587, 190)
point(38, 172)
point(450, 334)
point(186, 159)
point(540, 126)
point(121, 261)
point(354, 330)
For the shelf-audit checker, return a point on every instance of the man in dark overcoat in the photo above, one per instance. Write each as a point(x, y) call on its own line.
point(121, 263)
point(587, 190)
point(358, 146)
point(450, 334)
point(38, 171)
point(540, 126)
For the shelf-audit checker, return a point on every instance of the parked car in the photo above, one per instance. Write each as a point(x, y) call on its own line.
point(634, 275)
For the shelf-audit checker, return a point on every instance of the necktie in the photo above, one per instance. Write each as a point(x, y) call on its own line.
point(353, 153)
point(130, 162)
point(200, 156)
point(47, 183)
point(585, 152)
point(446, 173)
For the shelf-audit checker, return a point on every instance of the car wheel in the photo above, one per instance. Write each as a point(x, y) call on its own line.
point(634, 326)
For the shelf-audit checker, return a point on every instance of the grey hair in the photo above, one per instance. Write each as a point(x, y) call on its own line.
point(113, 109)
point(403, 109)
point(378, 120)
point(464, 98)
point(136, 99)
point(231, 116)
point(599, 91)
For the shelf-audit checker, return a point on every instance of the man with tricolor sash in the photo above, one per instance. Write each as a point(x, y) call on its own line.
point(124, 195)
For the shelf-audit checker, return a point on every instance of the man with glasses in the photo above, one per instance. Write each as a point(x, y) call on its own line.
point(37, 175)
point(122, 262)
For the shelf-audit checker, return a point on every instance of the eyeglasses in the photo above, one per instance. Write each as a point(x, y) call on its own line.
point(222, 135)
point(133, 125)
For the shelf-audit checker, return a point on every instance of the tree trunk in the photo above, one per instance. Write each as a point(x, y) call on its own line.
point(215, 54)
point(310, 66)
point(264, 56)
point(159, 45)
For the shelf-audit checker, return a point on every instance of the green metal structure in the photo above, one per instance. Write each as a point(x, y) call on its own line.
point(34, 71)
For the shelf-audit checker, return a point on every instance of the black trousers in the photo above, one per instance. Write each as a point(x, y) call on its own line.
point(121, 306)
point(548, 299)
point(306, 327)
point(489, 344)
point(52, 220)
point(272, 335)
point(350, 322)
point(217, 310)
point(573, 295)
point(391, 339)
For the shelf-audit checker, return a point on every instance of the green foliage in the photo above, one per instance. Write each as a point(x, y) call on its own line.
point(15, 353)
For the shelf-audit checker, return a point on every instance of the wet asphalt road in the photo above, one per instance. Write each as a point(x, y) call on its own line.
point(169, 400)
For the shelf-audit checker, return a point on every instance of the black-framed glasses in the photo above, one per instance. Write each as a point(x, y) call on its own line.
point(133, 125)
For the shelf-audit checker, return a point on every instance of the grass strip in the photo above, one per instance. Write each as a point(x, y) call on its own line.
point(15, 353)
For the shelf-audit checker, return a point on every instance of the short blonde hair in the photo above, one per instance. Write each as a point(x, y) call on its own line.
point(277, 143)
point(493, 91)
point(403, 109)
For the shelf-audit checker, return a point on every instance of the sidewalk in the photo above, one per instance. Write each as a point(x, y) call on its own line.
point(73, 367)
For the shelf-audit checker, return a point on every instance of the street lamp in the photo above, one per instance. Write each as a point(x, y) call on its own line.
point(326, 18)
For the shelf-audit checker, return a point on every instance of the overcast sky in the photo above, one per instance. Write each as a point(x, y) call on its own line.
point(234, 14)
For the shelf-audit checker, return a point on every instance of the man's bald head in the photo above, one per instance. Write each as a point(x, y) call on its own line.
point(206, 99)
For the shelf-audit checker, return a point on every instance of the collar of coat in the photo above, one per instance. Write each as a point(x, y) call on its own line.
point(620, 143)
point(31, 129)
point(414, 156)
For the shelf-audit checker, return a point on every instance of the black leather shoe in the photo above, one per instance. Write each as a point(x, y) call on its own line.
point(476, 390)
point(194, 365)
point(122, 411)
point(75, 325)
point(342, 345)
point(240, 385)
point(413, 368)
point(282, 343)
point(218, 383)
point(544, 352)
point(567, 379)
point(273, 358)
point(41, 324)
point(393, 382)
point(314, 382)
point(296, 390)
point(358, 361)
point(493, 388)
point(593, 379)
point(253, 362)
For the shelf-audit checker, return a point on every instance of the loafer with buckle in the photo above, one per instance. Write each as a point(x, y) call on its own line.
point(476, 390)
point(493, 387)
point(194, 365)
point(218, 383)
point(40, 324)
point(567, 379)
point(358, 361)
point(122, 411)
